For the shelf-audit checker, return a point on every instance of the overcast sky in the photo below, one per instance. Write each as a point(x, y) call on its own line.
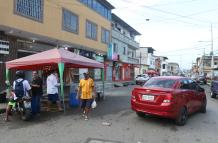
point(174, 28)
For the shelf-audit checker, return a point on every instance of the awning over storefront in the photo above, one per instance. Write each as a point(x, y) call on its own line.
point(53, 57)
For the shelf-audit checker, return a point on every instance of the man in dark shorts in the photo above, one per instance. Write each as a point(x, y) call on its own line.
point(86, 87)
point(52, 90)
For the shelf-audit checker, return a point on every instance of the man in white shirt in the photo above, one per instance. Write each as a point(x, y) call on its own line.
point(52, 90)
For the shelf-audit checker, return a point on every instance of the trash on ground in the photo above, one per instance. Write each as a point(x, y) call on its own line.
point(106, 123)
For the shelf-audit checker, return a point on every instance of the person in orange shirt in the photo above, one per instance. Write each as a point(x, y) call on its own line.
point(85, 89)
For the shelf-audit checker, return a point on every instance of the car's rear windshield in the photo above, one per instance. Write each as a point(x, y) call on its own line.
point(163, 83)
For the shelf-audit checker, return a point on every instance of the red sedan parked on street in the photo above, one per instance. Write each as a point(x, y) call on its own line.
point(170, 97)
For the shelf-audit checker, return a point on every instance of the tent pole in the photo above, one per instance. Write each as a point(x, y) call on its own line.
point(61, 72)
point(7, 82)
point(102, 77)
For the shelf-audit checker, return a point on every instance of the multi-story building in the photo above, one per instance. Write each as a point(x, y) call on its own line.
point(146, 58)
point(161, 65)
point(122, 59)
point(173, 69)
point(31, 26)
point(204, 65)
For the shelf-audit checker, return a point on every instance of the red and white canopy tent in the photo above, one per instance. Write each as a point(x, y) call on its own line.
point(60, 58)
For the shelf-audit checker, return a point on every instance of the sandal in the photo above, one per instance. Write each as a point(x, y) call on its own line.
point(86, 118)
point(6, 120)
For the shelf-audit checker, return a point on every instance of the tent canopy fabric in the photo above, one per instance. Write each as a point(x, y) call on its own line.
point(52, 58)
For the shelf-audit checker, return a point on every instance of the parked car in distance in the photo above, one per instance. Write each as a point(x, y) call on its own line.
point(202, 79)
point(141, 79)
point(214, 84)
point(171, 97)
point(214, 88)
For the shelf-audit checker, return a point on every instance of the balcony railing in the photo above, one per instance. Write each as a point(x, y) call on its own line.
point(133, 60)
point(116, 34)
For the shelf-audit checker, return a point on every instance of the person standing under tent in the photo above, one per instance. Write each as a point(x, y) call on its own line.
point(36, 93)
point(52, 90)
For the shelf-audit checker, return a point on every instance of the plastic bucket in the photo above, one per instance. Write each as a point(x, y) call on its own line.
point(73, 101)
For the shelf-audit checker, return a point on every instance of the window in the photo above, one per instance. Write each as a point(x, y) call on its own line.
point(164, 66)
point(115, 48)
point(163, 83)
point(124, 50)
point(32, 9)
point(91, 30)
point(70, 21)
point(184, 84)
point(98, 7)
point(105, 36)
point(193, 85)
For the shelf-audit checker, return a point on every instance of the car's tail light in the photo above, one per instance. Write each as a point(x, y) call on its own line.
point(168, 99)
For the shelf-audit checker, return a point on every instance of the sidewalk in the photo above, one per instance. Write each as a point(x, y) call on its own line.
point(108, 87)
point(2, 107)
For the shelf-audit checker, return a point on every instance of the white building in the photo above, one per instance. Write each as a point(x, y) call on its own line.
point(164, 64)
point(173, 68)
point(123, 51)
point(146, 59)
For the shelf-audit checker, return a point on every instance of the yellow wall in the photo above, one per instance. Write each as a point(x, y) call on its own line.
point(52, 22)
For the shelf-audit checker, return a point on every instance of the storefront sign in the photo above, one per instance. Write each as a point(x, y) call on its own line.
point(110, 52)
point(4, 47)
point(99, 58)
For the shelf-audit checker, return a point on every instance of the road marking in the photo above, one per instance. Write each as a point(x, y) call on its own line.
point(92, 140)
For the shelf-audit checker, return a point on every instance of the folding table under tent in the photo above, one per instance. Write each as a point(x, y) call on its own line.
point(60, 58)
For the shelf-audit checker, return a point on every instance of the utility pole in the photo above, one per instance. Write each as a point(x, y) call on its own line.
point(140, 62)
point(212, 56)
point(203, 62)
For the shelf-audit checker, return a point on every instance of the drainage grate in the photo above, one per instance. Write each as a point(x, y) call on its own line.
point(92, 140)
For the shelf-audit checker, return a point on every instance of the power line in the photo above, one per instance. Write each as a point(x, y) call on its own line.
point(178, 15)
point(174, 3)
point(178, 50)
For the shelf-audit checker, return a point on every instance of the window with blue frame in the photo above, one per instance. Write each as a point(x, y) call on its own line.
point(98, 7)
point(70, 21)
point(32, 9)
point(91, 30)
point(105, 36)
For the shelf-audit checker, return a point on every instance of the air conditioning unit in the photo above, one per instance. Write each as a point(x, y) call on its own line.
point(4, 47)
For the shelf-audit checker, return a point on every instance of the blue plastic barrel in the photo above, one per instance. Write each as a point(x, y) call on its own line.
point(73, 101)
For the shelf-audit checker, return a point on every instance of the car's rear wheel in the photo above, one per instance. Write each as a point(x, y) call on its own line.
point(140, 114)
point(204, 107)
point(213, 95)
point(182, 118)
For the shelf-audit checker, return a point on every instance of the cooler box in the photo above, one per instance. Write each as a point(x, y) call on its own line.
point(73, 101)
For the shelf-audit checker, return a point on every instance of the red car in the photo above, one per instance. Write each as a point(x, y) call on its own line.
point(170, 97)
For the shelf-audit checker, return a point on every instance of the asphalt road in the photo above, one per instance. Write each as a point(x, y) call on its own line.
point(125, 126)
